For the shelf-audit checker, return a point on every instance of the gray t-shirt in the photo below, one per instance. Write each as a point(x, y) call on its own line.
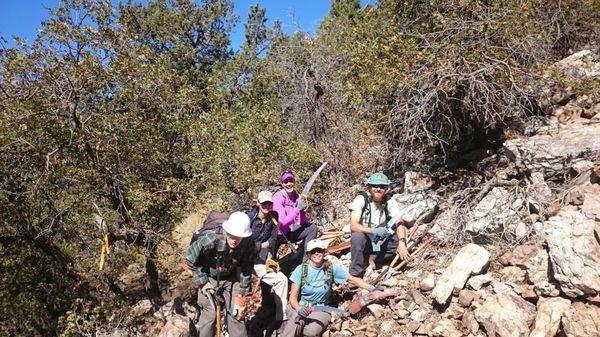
point(377, 211)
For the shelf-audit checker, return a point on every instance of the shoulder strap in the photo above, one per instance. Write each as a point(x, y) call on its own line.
point(330, 272)
point(303, 277)
point(386, 198)
point(367, 206)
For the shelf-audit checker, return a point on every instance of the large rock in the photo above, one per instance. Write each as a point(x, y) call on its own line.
point(493, 215)
point(177, 326)
point(549, 313)
point(471, 259)
point(574, 253)
point(506, 315)
point(550, 153)
point(581, 64)
point(539, 275)
point(416, 182)
point(581, 320)
point(415, 206)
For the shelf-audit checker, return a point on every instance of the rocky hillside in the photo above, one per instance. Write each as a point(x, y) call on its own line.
point(516, 241)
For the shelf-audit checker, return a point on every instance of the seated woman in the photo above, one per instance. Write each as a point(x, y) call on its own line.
point(312, 283)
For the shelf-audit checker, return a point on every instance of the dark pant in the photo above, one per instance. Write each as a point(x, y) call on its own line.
point(361, 248)
point(305, 233)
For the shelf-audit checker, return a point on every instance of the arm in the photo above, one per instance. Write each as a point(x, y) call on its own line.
point(355, 216)
point(294, 291)
point(402, 231)
point(356, 226)
point(197, 248)
point(285, 219)
point(357, 281)
point(247, 267)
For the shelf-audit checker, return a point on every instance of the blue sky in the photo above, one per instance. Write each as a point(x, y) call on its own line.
point(23, 17)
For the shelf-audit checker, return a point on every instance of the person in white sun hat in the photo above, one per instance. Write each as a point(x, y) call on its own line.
point(312, 283)
point(221, 259)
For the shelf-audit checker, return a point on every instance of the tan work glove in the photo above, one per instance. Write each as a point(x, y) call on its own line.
point(271, 266)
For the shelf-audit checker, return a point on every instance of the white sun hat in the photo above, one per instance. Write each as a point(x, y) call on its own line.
point(314, 244)
point(238, 224)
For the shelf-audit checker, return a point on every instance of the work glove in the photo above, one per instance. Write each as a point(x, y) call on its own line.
point(301, 204)
point(379, 233)
point(303, 311)
point(239, 304)
point(271, 266)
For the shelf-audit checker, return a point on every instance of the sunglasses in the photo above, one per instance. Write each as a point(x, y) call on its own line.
point(317, 250)
point(381, 187)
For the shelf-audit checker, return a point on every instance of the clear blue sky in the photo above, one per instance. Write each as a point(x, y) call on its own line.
point(22, 18)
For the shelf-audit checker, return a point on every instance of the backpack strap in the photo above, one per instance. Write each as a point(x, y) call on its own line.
point(303, 277)
point(367, 206)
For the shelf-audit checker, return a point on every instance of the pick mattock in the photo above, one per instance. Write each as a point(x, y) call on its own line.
point(389, 270)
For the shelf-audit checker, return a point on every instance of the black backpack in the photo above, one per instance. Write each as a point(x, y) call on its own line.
point(214, 221)
point(367, 206)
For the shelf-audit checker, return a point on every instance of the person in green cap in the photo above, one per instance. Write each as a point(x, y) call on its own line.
point(370, 213)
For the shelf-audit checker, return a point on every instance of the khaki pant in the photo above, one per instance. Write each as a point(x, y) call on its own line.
point(279, 283)
point(314, 325)
point(206, 322)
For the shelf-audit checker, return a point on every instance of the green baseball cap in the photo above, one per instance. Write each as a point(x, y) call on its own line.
point(378, 178)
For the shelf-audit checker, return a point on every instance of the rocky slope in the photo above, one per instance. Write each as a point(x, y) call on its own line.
point(516, 253)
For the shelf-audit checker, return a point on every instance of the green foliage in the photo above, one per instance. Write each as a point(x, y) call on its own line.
point(119, 119)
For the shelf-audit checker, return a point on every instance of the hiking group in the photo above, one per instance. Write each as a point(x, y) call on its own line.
point(228, 249)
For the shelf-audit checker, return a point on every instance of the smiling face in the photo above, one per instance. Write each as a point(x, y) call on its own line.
point(317, 256)
point(288, 185)
point(377, 192)
point(264, 207)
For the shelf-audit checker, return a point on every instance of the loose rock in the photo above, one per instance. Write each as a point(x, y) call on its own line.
point(549, 313)
point(471, 259)
point(506, 315)
point(574, 252)
point(581, 320)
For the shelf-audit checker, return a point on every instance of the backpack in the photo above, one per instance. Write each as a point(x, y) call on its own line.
point(367, 206)
point(326, 264)
point(214, 221)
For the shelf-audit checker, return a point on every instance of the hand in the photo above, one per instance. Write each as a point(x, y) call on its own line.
point(301, 204)
point(264, 245)
point(239, 305)
point(375, 288)
point(303, 311)
point(403, 251)
point(379, 233)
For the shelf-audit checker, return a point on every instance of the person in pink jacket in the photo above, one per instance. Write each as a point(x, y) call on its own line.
point(293, 220)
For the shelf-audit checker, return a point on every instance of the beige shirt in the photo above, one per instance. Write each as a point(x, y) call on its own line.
point(377, 211)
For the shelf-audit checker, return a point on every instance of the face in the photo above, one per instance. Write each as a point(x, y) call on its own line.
point(265, 207)
point(378, 191)
point(317, 255)
point(233, 241)
point(288, 185)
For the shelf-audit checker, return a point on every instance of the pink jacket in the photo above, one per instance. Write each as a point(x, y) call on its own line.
point(287, 211)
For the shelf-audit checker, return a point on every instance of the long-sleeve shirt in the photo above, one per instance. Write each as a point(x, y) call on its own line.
point(203, 255)
point(263, 231)
point(288, 213)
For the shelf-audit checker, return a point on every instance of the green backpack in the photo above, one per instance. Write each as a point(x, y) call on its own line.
point(303, 277)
